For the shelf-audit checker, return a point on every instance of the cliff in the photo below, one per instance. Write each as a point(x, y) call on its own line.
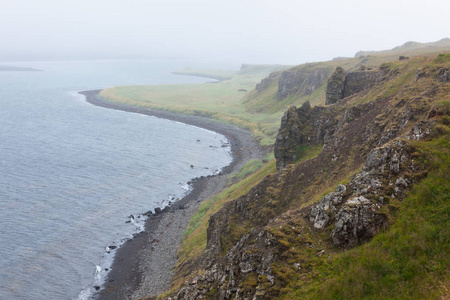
point(341, 84)
point(373, 163)
point(301, 82)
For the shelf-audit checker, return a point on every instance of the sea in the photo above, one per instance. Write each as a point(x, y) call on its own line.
point(75, 178)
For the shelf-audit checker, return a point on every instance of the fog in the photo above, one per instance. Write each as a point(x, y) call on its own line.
point(238, 31)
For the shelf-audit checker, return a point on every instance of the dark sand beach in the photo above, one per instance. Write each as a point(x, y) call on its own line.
point(143, 266)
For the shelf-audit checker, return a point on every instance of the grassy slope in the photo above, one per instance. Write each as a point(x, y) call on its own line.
point(412, 49)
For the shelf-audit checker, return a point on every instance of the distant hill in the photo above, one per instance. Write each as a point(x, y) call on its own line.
point(412, 48)
point(11, 68)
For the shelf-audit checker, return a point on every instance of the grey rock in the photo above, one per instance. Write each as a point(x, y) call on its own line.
point(290, 135)
point(341, 85)
point(357, 218)
point(301, 82)
point(444, 75)
point(335, 86)
point(266, 82)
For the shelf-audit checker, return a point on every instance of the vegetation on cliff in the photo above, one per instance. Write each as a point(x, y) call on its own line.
point(362, 186)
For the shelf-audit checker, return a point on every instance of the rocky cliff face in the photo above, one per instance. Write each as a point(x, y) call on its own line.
point(266, 82)
point(335, 86)
point(355, 209)
point(341, 85)
point(257, 241)
point(291, 135)
point(301, 82)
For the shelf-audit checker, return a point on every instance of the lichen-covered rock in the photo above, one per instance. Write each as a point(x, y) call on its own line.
point(444, 75)
point(357, 221)
point(223, 277)
point(301, 82)
point(420, 130)
point(320, 213)
point(354, 209)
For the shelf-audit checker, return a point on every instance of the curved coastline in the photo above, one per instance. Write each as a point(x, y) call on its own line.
point(143, 266)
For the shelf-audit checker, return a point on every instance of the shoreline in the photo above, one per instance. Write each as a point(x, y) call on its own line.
point(143, 265)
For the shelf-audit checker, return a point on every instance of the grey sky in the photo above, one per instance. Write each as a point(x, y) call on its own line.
point(263, 31)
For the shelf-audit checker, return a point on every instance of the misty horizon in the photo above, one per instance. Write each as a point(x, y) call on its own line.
point(284, 32)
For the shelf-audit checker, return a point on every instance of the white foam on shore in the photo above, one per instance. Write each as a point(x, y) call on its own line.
point(77, 96)
point(85, 294)
point(107, 258)
point(187, 188)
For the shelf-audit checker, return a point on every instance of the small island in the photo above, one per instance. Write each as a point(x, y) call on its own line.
point(20, 69)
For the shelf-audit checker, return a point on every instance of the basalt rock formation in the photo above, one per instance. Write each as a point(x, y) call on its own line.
point(341, 85)
point(336, 86)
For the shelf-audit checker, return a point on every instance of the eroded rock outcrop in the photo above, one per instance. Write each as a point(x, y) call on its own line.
point(341, 84)
point(335, 86)
point(291, 134)
point(355, 208)
point(251, 257)
point(301, 82)
point(266, 82)
point(301, 126)
point(361, 80)
point(444, 75)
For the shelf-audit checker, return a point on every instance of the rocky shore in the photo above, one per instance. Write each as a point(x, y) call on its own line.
point(143, 266)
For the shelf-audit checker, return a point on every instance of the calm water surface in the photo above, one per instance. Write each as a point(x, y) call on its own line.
point(72, 173)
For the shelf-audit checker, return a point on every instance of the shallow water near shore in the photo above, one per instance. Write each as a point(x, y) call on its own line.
point(73, 173)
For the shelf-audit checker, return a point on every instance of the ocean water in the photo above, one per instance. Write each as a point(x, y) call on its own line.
point(72, 173)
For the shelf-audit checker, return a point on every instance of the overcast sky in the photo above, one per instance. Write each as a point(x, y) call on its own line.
point(239, 31)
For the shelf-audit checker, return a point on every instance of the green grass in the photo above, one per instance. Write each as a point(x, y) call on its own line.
point(442, 58)
point(250, 167)
point(411, 49)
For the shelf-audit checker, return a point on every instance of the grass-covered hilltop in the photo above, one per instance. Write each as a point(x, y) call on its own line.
point(352, 200)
